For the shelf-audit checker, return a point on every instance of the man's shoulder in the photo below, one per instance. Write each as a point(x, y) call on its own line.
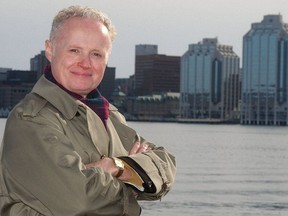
point(30, 105)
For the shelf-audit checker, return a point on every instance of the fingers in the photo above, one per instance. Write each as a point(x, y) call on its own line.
point(135, 148)
point(138, 147)
point(143, 148)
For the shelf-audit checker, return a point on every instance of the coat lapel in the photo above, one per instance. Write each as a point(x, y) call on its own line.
point(125, 134)
point(98, 132)
point(115, 147)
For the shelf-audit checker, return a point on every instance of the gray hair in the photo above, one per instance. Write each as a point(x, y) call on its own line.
point(82, 12)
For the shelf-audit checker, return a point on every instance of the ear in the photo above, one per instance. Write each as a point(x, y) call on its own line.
point(48, 50)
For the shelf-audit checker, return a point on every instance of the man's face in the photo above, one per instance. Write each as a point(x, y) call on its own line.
point(79, 54)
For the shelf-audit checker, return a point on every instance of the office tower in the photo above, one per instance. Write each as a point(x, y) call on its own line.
point(265, 69)
point(155, 73)
point(38, 63)
point(146, 49)
point(107, 85)
point(209, 83)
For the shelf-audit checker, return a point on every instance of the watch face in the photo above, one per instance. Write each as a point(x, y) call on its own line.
point(119, 163)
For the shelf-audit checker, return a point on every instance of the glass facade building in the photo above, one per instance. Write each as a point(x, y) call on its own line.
point(209, 82)
point(265, 68)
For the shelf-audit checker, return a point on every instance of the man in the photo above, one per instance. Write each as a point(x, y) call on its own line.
point(66, 150)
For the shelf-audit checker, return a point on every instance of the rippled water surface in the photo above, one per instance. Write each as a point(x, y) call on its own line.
point(222, 170)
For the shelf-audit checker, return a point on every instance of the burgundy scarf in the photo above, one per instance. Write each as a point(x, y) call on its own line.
point(94, 99)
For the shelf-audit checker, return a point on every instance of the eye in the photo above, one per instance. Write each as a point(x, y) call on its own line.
point(73, 50)
point(96, 54)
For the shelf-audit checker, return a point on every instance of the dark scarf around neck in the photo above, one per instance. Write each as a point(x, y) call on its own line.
point(94, 99)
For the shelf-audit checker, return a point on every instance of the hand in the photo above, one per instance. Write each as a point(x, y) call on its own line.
point(138, 147)
point(106, 163)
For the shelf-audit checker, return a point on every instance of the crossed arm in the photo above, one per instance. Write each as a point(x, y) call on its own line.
point(108, 165)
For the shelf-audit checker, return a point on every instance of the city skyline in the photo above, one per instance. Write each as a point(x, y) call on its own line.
point(170, 25)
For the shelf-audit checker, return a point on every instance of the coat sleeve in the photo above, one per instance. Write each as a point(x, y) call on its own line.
point(159, 164)
point(43, 172)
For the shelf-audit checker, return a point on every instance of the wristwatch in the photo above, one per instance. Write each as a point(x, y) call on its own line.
point(119, 164)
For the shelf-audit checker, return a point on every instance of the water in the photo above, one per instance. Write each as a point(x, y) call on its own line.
point(222, 170)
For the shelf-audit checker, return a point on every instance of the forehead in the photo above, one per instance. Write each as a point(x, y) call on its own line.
point(76, 23)
point(84, 25)
point(84, 30)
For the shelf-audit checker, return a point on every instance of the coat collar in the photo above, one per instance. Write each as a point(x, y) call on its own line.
point(64, 102)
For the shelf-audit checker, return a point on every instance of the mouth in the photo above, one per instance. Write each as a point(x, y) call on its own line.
point(81, 74)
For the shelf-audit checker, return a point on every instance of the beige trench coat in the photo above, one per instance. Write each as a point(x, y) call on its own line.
point(47, 140)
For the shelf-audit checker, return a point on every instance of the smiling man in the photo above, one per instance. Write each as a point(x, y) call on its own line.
point(66, 151)
point(79, 53)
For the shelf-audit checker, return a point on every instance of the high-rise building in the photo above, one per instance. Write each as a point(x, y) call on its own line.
point(209, 83)
point(38, 63)
point(265, 73)
point(155, 73)
point(107, 85)
point(146, 49)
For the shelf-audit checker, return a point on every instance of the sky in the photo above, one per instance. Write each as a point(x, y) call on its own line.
point(170, 24)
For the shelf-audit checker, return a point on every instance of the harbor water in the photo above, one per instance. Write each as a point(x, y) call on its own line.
point(222, 170)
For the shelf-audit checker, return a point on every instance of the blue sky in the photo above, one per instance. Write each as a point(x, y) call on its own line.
point(170, 24)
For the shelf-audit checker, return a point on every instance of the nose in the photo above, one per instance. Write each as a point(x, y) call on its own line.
point(85, 62)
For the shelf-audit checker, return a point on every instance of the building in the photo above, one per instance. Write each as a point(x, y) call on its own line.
point(17, 84)
point(12, 92)
point(146, 49)
point(131, 86)
point(122, 84)
point(3, 73)
point(156, 107)
point(209, 83)
point(22, 76)
point(107, 85)
point(118, 99)
point(155, 73)
point(38, 63)
point(265, 73)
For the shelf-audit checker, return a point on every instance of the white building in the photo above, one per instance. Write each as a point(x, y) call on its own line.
point(209, 81)
point(265, 73)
